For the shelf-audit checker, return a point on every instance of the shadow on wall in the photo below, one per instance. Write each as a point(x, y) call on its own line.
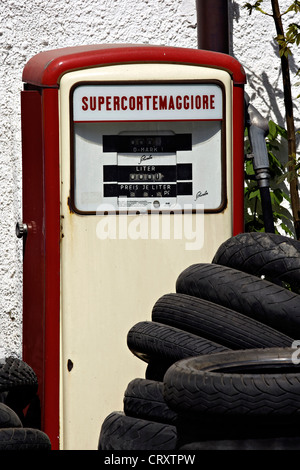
point(270, 94)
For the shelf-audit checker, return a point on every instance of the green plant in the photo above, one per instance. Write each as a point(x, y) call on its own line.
point(253, 209)
point(285, 40)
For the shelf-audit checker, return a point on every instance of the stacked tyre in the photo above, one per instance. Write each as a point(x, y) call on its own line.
point(19, 408)
point(220, 352)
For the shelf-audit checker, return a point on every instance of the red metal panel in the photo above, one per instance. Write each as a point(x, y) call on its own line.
point(238, 160)
point(41, 283)
point(46, 68)
point(52, 261)
point(34, 254)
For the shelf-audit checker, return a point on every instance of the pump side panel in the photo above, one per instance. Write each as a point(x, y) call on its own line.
point(34, 253)
point(41, 267)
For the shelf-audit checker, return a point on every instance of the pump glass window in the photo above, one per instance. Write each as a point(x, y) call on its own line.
point(147, 147)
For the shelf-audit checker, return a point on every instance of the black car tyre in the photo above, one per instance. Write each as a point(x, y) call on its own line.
point(152, 341)
point(216, 323)
point(252, 383)
point(156, 370)
point(144, 399)
point(8, 418)
point(120, 432)
point(266, 302)
point(273, 256)
point(15, 373)
point(279, 443)
point(23, 439)
point(18, 383)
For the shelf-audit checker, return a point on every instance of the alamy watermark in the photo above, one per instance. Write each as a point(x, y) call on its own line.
point(138, 223)
point(296, 353)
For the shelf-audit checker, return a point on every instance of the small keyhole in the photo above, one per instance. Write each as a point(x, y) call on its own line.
point(70, 365)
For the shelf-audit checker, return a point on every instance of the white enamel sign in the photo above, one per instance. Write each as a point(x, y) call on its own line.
point(147, 102)
point(155, 146)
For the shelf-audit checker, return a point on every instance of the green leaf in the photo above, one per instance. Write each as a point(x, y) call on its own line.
point(274, 161)
point(275, 130)
point(277, 195)
point(286, 229)
point(282, 131)
point(272, 130)
point(255, 194)
point(256, 6)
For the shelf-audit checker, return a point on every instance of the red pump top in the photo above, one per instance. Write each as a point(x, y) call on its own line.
point(46, 68)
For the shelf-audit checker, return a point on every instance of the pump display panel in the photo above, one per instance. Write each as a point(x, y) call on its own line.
point(147, 147)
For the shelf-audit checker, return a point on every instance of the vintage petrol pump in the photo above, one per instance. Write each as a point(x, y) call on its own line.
point(132, 170)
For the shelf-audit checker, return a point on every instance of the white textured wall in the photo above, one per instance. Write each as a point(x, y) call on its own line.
point(255, 47)
point(28, 27)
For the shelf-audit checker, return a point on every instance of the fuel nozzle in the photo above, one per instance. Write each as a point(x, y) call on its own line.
point(258, 129)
